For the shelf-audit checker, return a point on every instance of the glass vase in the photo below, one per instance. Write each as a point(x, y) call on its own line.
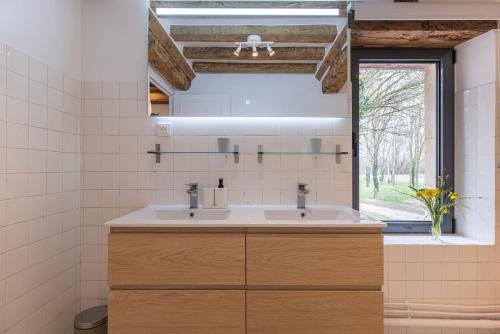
point(436, 228)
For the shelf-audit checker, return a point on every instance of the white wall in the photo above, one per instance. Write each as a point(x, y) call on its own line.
point(428, 10)
point(115, 40)
point(48, 30)
point(475, 117)
point(296, 95)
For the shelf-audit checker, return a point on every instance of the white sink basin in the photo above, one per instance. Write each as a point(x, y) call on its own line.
point(307, 214)
point(193, 214)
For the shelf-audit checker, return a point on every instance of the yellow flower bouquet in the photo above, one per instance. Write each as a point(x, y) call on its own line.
point(438, 201)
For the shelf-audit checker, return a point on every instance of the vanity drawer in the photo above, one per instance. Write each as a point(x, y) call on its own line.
point(176, 312)
point(176, 259)
point(318, 312)
point(315, 260)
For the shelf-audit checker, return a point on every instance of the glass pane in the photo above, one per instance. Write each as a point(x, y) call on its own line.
point(397, 138)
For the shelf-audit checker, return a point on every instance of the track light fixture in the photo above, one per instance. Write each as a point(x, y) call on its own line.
point(270, 50)
point(254, 42)
point(237, 51)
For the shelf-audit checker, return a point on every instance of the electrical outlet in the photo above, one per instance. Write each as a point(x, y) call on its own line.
point(164, 130)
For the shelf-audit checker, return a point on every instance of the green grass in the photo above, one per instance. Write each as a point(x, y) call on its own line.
point(388, 192)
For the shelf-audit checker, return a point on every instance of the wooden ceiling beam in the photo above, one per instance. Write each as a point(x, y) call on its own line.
point(204, 67)
point(302, 54)
point(341, 5)
point(236, 33)
point(336, 76)
point(416, 34)
point(164, 56)
point(333, 53)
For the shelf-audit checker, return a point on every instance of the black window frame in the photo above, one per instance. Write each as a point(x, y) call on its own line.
point(445, 125)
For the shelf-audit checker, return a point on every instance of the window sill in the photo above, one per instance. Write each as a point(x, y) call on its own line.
point(425, 239)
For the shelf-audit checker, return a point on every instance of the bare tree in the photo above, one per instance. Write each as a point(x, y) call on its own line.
point(391, 105)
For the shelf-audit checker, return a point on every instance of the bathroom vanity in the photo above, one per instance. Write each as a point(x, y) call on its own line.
point(245, 270)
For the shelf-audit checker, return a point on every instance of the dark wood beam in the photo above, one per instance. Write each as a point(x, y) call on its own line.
point(416, 34)
point(275, 33)
point(203, 67)
point(303, 54)
point(336, 77)
point(342, 6)
point(333, 53)
point(164, 56)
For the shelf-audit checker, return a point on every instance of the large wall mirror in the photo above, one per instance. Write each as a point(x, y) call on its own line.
point(248, 58)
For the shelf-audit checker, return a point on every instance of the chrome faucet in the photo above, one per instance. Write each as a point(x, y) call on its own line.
point(301, 196)
point(193, 195)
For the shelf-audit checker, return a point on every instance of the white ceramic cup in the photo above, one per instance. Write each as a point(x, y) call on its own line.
point(223, 144)
point(315, 145)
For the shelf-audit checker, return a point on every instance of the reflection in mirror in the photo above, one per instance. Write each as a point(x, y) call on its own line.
point(250, 58)
point(159, 101)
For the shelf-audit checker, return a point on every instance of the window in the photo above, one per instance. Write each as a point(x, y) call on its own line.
point(402, 132)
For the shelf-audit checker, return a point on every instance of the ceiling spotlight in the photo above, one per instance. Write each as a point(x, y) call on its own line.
point(253, 42)
point(270, 50)
point(237, 51)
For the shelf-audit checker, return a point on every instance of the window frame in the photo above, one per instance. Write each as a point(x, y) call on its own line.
point(445, 136)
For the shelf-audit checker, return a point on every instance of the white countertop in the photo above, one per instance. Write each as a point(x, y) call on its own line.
point(244, 216)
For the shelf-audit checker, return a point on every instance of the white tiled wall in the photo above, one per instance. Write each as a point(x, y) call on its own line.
point(461, 274)
point(118, 176)
point(39, 196)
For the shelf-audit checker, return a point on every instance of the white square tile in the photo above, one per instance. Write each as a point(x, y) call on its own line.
point(54, 141)
point(54, 120)
point(37, 184)
point(37, 138)
point(92, 125)
point(128, 90)
point(110, 90)
point(3, 55)
point(17, 86)
point(92, 90)
point(16, 260)
point(17, 235)
point(110, 126)
point(17, 160)
point(110, 108)
point(17, 61)
point(16, 210)
point(3, 81)
point(37, 116)
point(37, 161)
point(17, 111)
point(55, 99)
point(92, 108)
point(128, 144)
point(17, 185)
point(38, 93)
point(17, 135)
point(128, 108)
point(3, 107)
point(55, 78)
point(38, 71)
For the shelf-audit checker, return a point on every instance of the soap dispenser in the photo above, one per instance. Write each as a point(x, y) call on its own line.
point(221, 195)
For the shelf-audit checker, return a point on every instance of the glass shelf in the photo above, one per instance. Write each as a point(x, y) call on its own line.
point(236, 153)
point(241, 153)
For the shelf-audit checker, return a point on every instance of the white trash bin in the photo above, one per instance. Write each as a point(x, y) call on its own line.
point(92, 321)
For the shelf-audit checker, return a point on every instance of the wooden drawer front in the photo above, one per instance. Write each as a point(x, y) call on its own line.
point(315, 260)
point(176, 259)
point(176, 312)
point(318, 312)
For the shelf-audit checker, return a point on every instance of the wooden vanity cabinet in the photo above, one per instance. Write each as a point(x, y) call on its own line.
point(251, 282)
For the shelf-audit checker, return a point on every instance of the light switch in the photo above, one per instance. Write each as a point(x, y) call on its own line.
point(164, 130)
